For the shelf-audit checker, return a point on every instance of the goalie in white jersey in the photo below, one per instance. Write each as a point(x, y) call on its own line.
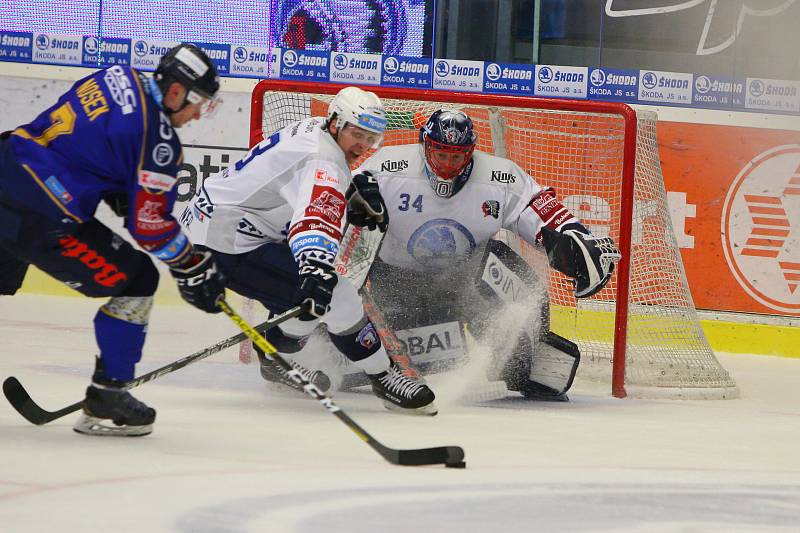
point(438, 262)
point(274, 222)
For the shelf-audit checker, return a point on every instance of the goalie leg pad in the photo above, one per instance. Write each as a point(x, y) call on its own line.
point(553, 368)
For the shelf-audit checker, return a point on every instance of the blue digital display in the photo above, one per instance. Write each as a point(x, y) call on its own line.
point(392, 27)
point(401, 27)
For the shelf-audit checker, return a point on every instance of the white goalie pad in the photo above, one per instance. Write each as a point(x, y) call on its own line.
point(555, 362)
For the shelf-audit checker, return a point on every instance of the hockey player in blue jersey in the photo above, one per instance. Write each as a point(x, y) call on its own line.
point(111, 137)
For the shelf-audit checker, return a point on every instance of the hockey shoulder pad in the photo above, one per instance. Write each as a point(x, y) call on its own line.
point(587, 259)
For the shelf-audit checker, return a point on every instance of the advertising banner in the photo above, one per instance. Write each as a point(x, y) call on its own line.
point(738, 215)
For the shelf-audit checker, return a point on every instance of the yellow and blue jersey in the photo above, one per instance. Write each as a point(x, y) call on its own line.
point(105, 135)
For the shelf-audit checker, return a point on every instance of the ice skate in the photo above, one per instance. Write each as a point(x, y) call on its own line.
point(110, 410)
point(275, 373)
point(401, 393)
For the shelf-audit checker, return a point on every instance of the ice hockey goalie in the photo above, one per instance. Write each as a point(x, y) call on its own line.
point(439, 272)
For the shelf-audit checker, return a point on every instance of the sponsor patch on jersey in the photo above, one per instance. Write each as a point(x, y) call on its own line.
point(394, 166)
point(441, 243)
point(121, 89)
point(546, 205)
point(163, 154)
point(561, 219)
point(304, 226)
point(491, 208)
point(314, 241)
point(503, 177)
point(156, 180)
point(106, 273)
point(58, 189)
point(150, 210)
point(324, 177)
point(327, 204)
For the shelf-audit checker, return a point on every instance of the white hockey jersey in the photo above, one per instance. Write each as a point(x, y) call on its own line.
point(288, 187)
point(427, 232)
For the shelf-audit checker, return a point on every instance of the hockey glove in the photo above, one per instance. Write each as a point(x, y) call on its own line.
point(576, 253)
point(200, 284)
point(365, 206)
point(317, 281)
point(118, 202)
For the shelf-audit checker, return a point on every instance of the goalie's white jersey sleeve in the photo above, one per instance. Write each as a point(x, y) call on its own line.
point(427, 232)
point(288, 187)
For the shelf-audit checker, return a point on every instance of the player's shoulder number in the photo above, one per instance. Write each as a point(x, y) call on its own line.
point(258, 149)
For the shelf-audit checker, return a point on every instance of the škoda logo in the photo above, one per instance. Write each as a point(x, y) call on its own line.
point(761, 228)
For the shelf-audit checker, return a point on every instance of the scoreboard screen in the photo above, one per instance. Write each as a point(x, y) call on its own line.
point(399, 27)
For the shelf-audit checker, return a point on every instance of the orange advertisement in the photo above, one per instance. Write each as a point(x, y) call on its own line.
point(734, 195)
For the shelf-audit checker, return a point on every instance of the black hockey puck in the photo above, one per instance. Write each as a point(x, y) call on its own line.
point(460, 464)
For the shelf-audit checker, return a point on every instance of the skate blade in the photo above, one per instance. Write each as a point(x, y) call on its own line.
point(103, 427)
point(425, 410)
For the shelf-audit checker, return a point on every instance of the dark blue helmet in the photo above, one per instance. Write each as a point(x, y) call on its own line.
point(449, 140)
point(188, 65)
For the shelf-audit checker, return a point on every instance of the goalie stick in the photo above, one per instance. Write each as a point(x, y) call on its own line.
point(450, 456)
point(21, 401)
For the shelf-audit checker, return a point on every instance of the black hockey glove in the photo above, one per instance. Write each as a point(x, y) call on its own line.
point(200, 284)
point(365, 206)
point(575, 252)
point(317, 281)
point(118, 202)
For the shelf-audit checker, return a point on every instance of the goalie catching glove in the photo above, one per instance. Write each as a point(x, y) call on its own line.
point(365, 207)
point(200, 283)
point(575, 252)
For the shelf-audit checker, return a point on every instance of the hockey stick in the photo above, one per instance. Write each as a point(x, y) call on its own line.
point(20, 400)
point(451, 456)
point(357, 252)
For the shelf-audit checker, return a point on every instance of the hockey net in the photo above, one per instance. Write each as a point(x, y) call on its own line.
point(641, 332)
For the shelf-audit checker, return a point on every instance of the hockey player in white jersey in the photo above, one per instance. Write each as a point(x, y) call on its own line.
point(273, 222)
point(439, 263)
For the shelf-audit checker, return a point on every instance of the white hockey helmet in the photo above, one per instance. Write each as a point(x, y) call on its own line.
point(359, 108)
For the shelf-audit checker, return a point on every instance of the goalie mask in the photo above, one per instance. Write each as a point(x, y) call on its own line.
point(188, 65)
point(448, 140)
point(359, 108)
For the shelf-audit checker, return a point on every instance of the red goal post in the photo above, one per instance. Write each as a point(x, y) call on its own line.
point(642, 330)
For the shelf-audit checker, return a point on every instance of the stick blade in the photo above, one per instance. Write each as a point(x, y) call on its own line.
point(21, 401)
point(430, 456)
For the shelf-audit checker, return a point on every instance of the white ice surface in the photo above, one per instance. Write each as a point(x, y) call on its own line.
point(230, 454)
